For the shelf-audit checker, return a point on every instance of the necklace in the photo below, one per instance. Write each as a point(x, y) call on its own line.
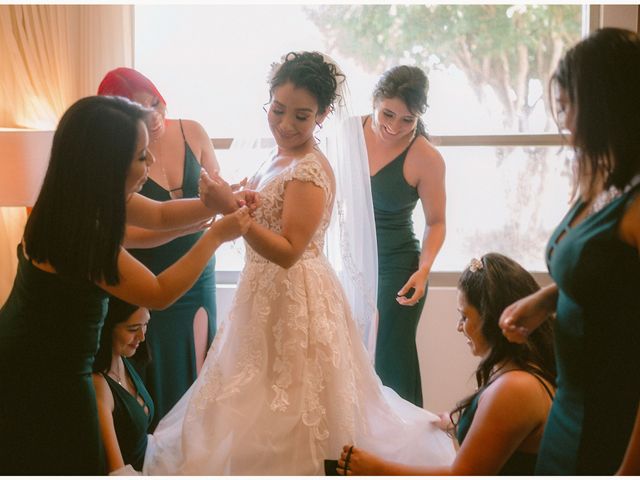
point(117, 377)
point(605, 197)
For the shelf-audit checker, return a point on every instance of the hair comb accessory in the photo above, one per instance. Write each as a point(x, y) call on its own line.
point(475, 265)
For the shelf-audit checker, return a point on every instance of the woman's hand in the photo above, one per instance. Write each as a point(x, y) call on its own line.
point(444, 422)
point(215, 193)
point(358, 462)
point(521, 318)
point(250, 198)
point(232, 225)
point(417, 281)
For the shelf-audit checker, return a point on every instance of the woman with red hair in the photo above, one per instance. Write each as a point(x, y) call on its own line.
point(181, 148)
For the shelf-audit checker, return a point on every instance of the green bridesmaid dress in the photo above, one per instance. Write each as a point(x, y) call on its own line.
point(49, 331)
point(519, 463)
point(130, 420)
point(170, 339)
point(597, 340)
point(394, 201)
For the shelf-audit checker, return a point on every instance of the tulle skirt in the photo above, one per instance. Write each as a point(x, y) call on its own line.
point(286, 383)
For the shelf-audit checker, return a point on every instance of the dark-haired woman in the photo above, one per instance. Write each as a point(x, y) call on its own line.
point(179, 336)
point(287, 380)
point(70, 258)
point(594, 258)
point(404, 167)
point(125, 408)
point(500, 426)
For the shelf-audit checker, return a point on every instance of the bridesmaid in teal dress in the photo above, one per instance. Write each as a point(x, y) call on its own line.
point(594, 259)
point(178, 337)
point(125, 408)
point(71, 256)
point(499, 427)
point(404, 168)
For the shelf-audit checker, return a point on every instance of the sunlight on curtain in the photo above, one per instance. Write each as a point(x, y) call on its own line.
point(52, 55)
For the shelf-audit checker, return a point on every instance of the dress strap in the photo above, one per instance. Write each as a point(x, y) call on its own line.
point(544, 384)
point(182, 130)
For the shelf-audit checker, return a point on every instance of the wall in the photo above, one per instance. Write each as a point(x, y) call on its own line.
point(447, 365)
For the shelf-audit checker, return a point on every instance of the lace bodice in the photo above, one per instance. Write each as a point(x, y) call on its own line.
point(306, 169)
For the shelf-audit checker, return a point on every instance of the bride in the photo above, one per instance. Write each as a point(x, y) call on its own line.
point(288, 381)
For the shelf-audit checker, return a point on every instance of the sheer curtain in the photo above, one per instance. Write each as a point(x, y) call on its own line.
point(52, 55)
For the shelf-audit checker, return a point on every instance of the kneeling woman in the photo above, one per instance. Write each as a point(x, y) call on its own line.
point(499, 427)
point(125, 408)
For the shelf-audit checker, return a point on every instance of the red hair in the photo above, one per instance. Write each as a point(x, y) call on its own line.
point(124, 82)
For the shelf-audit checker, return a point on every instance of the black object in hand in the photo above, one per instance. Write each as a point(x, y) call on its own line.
point(331, 467)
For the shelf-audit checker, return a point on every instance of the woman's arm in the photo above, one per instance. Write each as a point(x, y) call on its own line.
point(304, 204)
point(522, 317)
point(508, 412)
point(104, 400)
point(431, 189)
point(136, 237)
point(631, 461)
point(200, 140)
point(140, 286)
point(146, 213)
point(630, 233)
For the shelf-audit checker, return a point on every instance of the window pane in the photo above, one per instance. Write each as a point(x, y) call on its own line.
point(488, 64)
point(501, 200)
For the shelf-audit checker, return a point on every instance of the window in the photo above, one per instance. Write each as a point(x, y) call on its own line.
point(508, 179)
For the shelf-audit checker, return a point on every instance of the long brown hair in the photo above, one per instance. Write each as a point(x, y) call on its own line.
point(601, 77)
point(490, 287)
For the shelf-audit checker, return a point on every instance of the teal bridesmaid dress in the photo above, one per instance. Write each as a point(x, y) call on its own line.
point(394, 201)
point(597, 340)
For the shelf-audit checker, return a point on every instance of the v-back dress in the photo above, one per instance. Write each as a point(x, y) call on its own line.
point(287, 381)
point(169, 337)
point(49, 331)
point(394, 201)
point(597, 342)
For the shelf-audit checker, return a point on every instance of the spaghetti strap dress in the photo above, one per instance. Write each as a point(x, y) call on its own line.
point(597, 339)
point(49, 331)
point(394, 201)
point(519, 463)
point(130, 419)
point(170, 338)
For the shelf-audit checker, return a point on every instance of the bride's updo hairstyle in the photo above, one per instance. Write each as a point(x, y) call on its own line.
point(311, 71)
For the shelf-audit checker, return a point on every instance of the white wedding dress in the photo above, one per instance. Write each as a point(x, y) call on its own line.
point(287, 381)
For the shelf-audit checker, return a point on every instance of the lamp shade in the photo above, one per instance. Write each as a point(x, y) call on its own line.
point(24, 157)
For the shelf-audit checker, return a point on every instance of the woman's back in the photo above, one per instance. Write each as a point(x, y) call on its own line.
point(49, 329)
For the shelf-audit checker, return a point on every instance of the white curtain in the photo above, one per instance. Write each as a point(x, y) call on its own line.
point(50, 56)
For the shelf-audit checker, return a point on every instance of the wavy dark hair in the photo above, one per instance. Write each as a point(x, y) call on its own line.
point(309, 70)
point(601, 77)
point(411, 85)
point(77, 223)
point(119, 311)
point(500, 282)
